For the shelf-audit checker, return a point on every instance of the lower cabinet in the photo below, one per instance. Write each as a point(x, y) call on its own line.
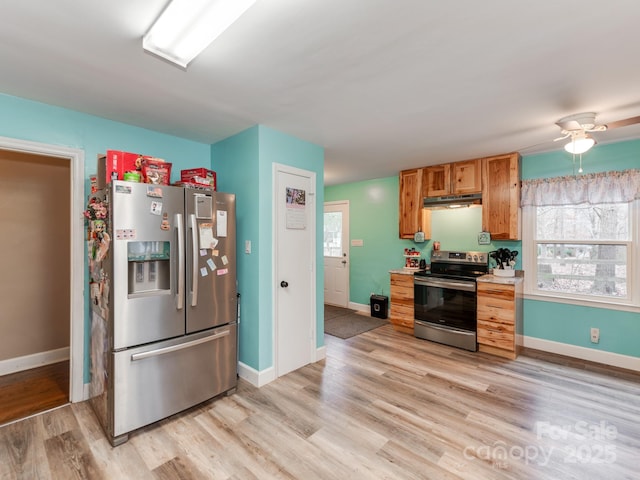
point(401, 302)
point(500, 318)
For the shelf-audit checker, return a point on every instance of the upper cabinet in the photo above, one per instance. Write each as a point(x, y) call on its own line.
point(437, 180)
point(501, 196)
point(413, 217)
point(497, 178)
point(467, 177)
point(453, 178)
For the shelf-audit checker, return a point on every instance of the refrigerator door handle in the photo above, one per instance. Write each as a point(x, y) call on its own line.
point(161, 351)
point(194, 254)
point(180, 232)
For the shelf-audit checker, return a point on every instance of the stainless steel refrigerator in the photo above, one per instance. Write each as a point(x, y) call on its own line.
point(164, 303)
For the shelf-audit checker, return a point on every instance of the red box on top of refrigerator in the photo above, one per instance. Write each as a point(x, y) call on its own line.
point(199, 177)
point(115, 163)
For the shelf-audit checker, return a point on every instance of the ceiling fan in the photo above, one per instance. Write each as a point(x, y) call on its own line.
point(578, 126)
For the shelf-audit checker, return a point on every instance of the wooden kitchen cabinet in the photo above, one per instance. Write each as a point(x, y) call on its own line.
point(413, 217)
point(466, 177)
point(501, 196)
point(401, 302)
point(500, 318)
point(437, 180)
point(457, 178)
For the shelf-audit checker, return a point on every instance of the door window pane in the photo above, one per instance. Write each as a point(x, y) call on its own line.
point(333, 234)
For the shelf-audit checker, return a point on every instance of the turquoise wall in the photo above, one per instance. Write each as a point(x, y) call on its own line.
point(37, 122)
point(235, 159)
point(560, 322)
point(27, 120)
point(231, 159)
point(374, 218)
point(601, 158)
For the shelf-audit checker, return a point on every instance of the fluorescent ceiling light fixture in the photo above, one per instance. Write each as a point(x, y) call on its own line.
point(580, 143)
point(186, 27)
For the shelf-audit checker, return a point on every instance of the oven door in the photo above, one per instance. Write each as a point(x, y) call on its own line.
point(445, 311)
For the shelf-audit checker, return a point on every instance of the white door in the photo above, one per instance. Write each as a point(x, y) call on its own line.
point(336, 253)
point(294, 268)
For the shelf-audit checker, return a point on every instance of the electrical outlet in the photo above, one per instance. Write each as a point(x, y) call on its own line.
point(595, 335)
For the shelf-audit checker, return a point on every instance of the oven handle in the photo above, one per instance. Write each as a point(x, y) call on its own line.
point(448, 328)
point(450, 284)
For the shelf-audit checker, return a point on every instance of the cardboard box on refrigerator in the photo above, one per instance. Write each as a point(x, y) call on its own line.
point(199, 176)
point(115, 163)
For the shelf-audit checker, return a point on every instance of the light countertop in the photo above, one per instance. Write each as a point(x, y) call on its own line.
point(502, 280)
point(404, 271)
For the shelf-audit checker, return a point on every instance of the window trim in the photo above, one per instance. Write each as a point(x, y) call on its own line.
point(529, 250)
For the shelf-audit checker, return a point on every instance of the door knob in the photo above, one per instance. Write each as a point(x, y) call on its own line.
point(284, 284)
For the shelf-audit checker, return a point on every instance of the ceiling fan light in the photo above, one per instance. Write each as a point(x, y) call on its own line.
point(579, 145)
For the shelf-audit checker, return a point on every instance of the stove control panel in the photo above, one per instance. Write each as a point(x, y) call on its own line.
point(445, 256)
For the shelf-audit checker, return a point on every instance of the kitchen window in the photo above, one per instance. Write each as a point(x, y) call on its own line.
point(585, 252)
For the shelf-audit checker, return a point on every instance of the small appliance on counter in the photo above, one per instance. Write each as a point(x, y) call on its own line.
point(411, 259)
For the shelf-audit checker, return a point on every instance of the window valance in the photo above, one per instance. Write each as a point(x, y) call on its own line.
point(594, 188)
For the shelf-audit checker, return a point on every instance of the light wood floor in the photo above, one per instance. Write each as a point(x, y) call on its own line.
point(34, 390)
point(382, 405)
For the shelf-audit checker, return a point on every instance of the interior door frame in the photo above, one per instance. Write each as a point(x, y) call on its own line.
point(346, 244)
point(277, 168)
point(75, 157)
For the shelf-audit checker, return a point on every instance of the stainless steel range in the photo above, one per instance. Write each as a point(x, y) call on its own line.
point(445, 298)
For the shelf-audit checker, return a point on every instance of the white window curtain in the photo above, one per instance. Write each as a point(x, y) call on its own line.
point(595, 188)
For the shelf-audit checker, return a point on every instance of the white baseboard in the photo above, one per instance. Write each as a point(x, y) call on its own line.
point(590, 354)
point(321, 353)
point(254, 377)
point(18, 364)
point(360, 307)
point(259, 379)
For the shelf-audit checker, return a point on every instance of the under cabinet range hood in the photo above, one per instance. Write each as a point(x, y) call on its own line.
point(453, 201)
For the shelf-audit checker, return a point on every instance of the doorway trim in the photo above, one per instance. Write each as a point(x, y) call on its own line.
point(277, 168)
point(346, 246)
point(75, 157)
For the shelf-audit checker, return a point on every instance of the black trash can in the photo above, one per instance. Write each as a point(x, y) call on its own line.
point(379, 306)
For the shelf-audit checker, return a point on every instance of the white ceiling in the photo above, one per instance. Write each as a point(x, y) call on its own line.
point(382, 85)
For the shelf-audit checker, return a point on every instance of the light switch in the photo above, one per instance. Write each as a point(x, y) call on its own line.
point(357, 243)
point(247, 246)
